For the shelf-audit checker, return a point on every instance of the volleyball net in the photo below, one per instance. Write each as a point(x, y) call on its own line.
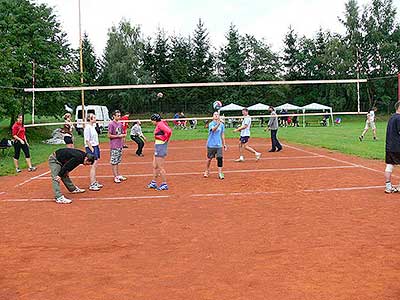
point(195, 99)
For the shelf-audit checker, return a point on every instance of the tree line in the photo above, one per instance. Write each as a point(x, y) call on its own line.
point(31, 33)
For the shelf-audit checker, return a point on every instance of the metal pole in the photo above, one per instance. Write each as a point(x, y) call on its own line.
point(33, 93)
point(398, 87)
point(358, 85)
point(81, 66)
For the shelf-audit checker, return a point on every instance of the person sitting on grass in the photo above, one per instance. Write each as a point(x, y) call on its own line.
point(61, 163)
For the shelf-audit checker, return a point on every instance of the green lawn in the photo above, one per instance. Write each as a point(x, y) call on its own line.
point(343, 138)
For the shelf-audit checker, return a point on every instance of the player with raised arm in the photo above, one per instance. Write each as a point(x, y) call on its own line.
point(215, 144)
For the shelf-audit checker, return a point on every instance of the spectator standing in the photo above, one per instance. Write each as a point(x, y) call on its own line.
point(67, 131)
point(21, 142)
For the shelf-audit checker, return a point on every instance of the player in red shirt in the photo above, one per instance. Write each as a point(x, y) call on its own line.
point(125, 126)
point(20, 142)
point(162, 134)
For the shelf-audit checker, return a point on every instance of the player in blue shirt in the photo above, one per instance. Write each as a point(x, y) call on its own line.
point(215, 144)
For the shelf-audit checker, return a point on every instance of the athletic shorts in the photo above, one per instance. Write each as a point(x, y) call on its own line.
point(244, 139)
point(17, 149)
point(392, 158)
point(116, 156)
point(68, 140)
point(214, 152)
point(161, 150)
point(370, 124)
point(96, 152)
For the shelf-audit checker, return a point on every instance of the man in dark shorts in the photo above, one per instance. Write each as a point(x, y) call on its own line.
point(392, 148)
point(61, 163)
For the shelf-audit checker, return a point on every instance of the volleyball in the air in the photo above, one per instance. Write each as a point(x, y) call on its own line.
point(217, 105)
point(160, 95)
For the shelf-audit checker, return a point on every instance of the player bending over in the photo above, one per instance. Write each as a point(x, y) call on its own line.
point(392, 148)
point(215, 143)
point(61, 163)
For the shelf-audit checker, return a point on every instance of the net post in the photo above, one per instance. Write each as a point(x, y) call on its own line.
point(398, 87)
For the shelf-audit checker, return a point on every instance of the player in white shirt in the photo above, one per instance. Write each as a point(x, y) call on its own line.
point(245, 136)
point(369, 123)
point(92, 146)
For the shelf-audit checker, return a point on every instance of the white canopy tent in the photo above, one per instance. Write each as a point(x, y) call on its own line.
point(231, 107)
point(287, 106)
point(258, 106)
point(317, 107)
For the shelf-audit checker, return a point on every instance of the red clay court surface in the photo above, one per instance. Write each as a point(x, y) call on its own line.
point(303, 223)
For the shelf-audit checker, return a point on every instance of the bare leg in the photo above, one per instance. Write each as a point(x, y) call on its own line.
point(28, 162)
point(248, 148)
point(115, 170)
point(93, 172)
point(16, 164)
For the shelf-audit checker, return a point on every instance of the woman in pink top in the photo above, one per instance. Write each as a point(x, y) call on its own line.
point(162, 134)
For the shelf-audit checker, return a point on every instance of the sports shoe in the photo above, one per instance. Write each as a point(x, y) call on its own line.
point(240, 159)
point(360, 138)
point(140, 155)
point(152, 185)
point(280, 149)
point(31, 169)
point(258, 155)
point(18, 170)
point(375, 138)
point(78, 191)
point(98, 184)
point(163, 187)
point(221, 176)
point(125, 146)
point(63, 200)
point(391, 190)
point(206, 174)
point(122, 178)
point(117, 179)
point(94, 187)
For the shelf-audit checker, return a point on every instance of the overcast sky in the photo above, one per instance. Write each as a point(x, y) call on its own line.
point(268, 19)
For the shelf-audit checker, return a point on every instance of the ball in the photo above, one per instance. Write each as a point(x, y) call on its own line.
point(217, 105)
point(160, 95)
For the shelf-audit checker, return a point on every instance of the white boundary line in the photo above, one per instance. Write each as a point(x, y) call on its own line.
point(338, 160)
point(2, 193)
point(204, 160)
point(284, 192)
point(86, 199)
point(226, 172)
point(33, 178)
point(202, 195)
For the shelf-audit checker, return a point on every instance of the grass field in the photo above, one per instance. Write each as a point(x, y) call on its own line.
point(343, 138)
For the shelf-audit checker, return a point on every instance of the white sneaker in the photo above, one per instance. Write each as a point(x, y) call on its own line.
point(94, 187)
point(63, 200)
point(98, 184)
point(78, 191)
point(240, 159)
point(122, 178)
point(391, 190)
point(258, 155)
point(117, 179)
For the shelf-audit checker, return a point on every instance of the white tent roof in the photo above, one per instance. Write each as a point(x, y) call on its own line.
point(231, 106)
point(288, 106)
point(316, 106)
point(258, 106)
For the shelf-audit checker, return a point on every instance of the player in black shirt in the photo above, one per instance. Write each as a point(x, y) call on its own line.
point(61, 163)
point(392, 148)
